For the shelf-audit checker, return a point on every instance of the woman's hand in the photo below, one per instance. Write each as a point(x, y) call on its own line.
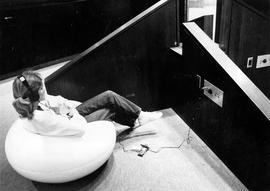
point(64, 109)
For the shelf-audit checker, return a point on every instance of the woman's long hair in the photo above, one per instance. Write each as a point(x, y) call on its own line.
point(22, 103)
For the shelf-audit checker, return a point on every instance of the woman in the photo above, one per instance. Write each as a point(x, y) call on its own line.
point(56, 116)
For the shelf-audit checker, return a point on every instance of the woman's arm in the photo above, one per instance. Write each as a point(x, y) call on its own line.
point(47, 123)
point(59, 100)
point(73, 103)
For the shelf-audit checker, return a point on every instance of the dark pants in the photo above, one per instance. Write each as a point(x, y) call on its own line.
point(110, 106)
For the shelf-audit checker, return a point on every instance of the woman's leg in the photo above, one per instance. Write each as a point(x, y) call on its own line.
point(101, 114)
point(116, 108)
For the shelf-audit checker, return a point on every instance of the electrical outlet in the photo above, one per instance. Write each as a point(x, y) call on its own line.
point(249, 62)
point(263, 61)
point(213, 93)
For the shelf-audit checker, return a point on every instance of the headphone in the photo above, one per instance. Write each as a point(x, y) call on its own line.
point(32, 95)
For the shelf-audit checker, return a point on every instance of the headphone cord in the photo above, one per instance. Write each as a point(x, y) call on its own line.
point(188, 139)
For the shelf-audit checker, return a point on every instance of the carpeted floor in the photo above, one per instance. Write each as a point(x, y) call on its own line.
point(191, 167)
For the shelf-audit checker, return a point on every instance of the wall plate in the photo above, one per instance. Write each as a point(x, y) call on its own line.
point(213, 93)
point(263, 61)
point(249, 62)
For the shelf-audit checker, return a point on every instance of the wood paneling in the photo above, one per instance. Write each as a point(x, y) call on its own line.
point(249, 37)
point(260, 6)
point(131, 60)
point(224, 21)
point(237, 132)
point(245, 32)
point(35, 32)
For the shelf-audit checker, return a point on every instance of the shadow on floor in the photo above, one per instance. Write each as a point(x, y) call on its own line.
point(89, 182)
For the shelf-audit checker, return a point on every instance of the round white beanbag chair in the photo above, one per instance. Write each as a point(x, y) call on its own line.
point(59, 159)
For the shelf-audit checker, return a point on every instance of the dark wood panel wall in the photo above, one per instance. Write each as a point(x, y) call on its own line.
point(35, 32)
point(249, 37)
point(132, 63)
point(238, 132)
point(262, 6)
point(224, 8)
point(245, 32)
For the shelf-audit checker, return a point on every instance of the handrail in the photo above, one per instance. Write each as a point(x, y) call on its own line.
point(238, 76)
point(110, 36)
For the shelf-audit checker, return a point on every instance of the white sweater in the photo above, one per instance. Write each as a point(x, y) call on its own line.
point(47, 122)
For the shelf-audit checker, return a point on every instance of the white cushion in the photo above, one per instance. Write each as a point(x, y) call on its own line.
point(59, 159)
